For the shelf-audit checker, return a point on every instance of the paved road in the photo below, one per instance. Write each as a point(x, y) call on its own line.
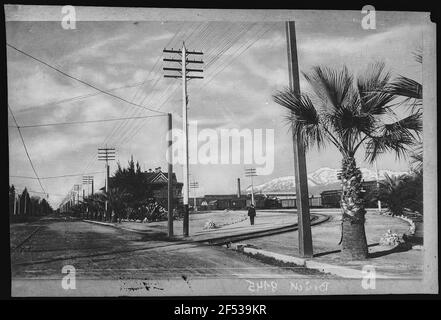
point(105, 253)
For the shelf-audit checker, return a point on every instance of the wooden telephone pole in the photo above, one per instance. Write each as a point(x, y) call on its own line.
point(170, 205)
point(184, 75)
point(106, 154)
point(88, 180)
point(300, 173)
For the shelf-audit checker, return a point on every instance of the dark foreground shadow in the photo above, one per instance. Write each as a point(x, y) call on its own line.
point(400, 248)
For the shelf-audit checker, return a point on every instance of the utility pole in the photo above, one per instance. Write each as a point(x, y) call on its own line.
point(170, 205)
point(87, 180)
point(77, 191)
point(24, 212)
point(300, 173)
point(194, 185)
point(251, 172)
point(15, 203)
point(106, 154)
point(19, 200)
point(184, 75)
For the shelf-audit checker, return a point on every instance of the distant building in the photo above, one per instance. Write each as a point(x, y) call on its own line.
point(158, 181)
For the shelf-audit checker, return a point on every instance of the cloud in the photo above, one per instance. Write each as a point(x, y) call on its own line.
point(393, 46)
point(141, 45)
point(99, 49)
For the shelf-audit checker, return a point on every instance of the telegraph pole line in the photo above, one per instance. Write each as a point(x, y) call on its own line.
point(251, 172)
point(170, 205)
point(185, 76)
point(106, 154)
point(300, 173)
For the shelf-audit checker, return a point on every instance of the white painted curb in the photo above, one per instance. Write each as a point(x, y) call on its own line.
point(340, 271)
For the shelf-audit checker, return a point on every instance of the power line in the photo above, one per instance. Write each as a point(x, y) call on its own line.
point(121, 125)
point(26, 149)
point(133, 132)
point(238, 55)
point(79, 97)
point(125, 132)
point(154, 96)
point(81, 81)
point(85, 122)
point(56, 177)
point(230, 42)
point(19, 190)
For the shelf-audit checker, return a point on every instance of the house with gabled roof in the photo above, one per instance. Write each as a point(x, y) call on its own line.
point(158, 181)
point(159, 184)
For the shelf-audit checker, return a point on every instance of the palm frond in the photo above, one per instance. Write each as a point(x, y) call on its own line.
point(397, 137)
point(349, 125)
point(417, 158)
point(332, 86)
point(371, 85)
point(409, 125)
point(418, 55)
point(406, 87)
point(302, 115)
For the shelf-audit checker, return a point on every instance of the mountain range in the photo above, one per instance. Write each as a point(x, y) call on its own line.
point(318, 181)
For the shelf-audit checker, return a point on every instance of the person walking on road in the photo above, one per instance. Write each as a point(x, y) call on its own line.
point(251, 213)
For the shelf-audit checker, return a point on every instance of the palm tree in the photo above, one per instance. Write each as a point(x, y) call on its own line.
point(352, 114)
point(402, 193)
point(391, 193)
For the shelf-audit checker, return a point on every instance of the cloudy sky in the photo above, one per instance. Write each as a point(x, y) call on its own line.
point(245, 64)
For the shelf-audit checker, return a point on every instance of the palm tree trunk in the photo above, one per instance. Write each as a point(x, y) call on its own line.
point(354, 244)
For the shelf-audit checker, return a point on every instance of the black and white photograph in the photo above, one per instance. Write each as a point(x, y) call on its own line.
point(164, 152)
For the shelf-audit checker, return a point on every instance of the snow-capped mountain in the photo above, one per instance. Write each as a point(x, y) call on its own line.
point(319, 180)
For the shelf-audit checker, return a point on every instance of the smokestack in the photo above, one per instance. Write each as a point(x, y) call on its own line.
point(238, 187)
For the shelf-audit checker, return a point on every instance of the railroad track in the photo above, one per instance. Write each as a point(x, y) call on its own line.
point(22, 242)
point(32, 233)
point(316, 218)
